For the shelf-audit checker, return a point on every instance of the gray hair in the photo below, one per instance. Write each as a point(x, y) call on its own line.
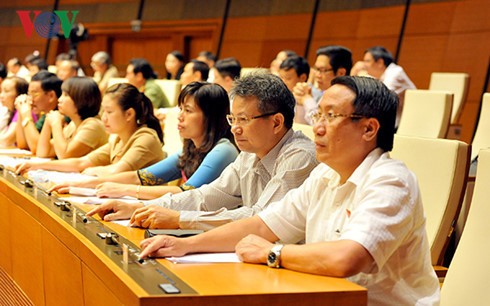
point(101, 57)
point(270, 91)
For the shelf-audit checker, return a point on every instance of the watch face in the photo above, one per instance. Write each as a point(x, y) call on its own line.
point(272, 257)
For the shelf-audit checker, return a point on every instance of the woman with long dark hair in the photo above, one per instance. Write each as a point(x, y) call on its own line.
point(208, 148)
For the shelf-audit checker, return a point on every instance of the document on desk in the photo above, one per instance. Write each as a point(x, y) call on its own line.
point(11, 162)
point(56, 177)
point(15, 151)
point(97, 201)
point(205, 258)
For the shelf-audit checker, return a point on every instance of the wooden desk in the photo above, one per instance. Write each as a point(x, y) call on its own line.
point(58, 260)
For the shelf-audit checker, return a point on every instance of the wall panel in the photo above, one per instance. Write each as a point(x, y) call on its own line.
point(440, 35)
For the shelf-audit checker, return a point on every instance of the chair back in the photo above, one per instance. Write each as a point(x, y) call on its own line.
point(113, 81)
point(454, 82)
point(306, 129)
point(467, 281)
point(441, 167)
point(426, 113)
point(481, 139)
point(171, 136)
point(171, 89)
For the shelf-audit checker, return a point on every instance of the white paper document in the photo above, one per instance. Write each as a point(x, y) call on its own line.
point(15, 151)
point(98, 201)
point(122, 222)
point(206, 258)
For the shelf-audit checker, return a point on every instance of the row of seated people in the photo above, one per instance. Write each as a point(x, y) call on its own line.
point(358, 211)
point(137, 141)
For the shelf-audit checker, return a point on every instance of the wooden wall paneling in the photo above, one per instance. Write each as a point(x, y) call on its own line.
point(334, 28)
point(154, 49)
point(62, 273)
point(422, 55)
point(5, 233)
point(380, 22)
point(284, 32)
point(26, 252)
point(469, 52)
point(469, 116)
point(198, 43)
point(95, 291)
point(88, 48)
point(243, 39)
point(14, 43)
point(25, 3)
point(338, 24)
point(471, 16)
point(430, 18)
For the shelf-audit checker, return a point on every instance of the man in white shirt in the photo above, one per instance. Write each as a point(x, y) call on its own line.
point(379, 63)
point(273, 160)
point(359, 212)
point(331, 62)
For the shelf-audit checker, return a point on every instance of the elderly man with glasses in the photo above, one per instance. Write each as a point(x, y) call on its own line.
point(273, 160)
point(359, 213)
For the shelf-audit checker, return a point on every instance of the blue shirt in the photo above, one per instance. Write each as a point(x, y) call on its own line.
point(223, 154)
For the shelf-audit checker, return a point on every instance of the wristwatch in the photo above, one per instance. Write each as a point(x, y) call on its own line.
point(274, 257)
point(26, 121)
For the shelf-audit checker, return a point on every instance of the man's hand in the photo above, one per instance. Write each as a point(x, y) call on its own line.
point(301, 92)
point(112, 190)
point(164, 246)
point(253, 249)
point(65, 187)
point(25, 167)
point(23, 104)
point(359, 69)
point(54, 117)
point(155, 217)
point(115, 210)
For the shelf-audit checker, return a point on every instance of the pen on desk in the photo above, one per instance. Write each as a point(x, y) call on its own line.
point(140, 259)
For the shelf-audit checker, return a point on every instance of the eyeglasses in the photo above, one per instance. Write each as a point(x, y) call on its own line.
point(321, 70)
point(244, 120)
point(34, 94)
point(329, 117)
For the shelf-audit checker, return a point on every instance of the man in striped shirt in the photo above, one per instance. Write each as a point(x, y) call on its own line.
point(273, 160)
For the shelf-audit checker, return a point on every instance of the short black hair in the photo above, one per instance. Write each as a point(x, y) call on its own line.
point(40, 63)
point(229, 66)
point(202, 67)
point(208, 55)
point(380, 52)
point(3, 71)
point(143, 66)
point(298, 63)
point(339, 56)
point(373, 100)
point(49, 81)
